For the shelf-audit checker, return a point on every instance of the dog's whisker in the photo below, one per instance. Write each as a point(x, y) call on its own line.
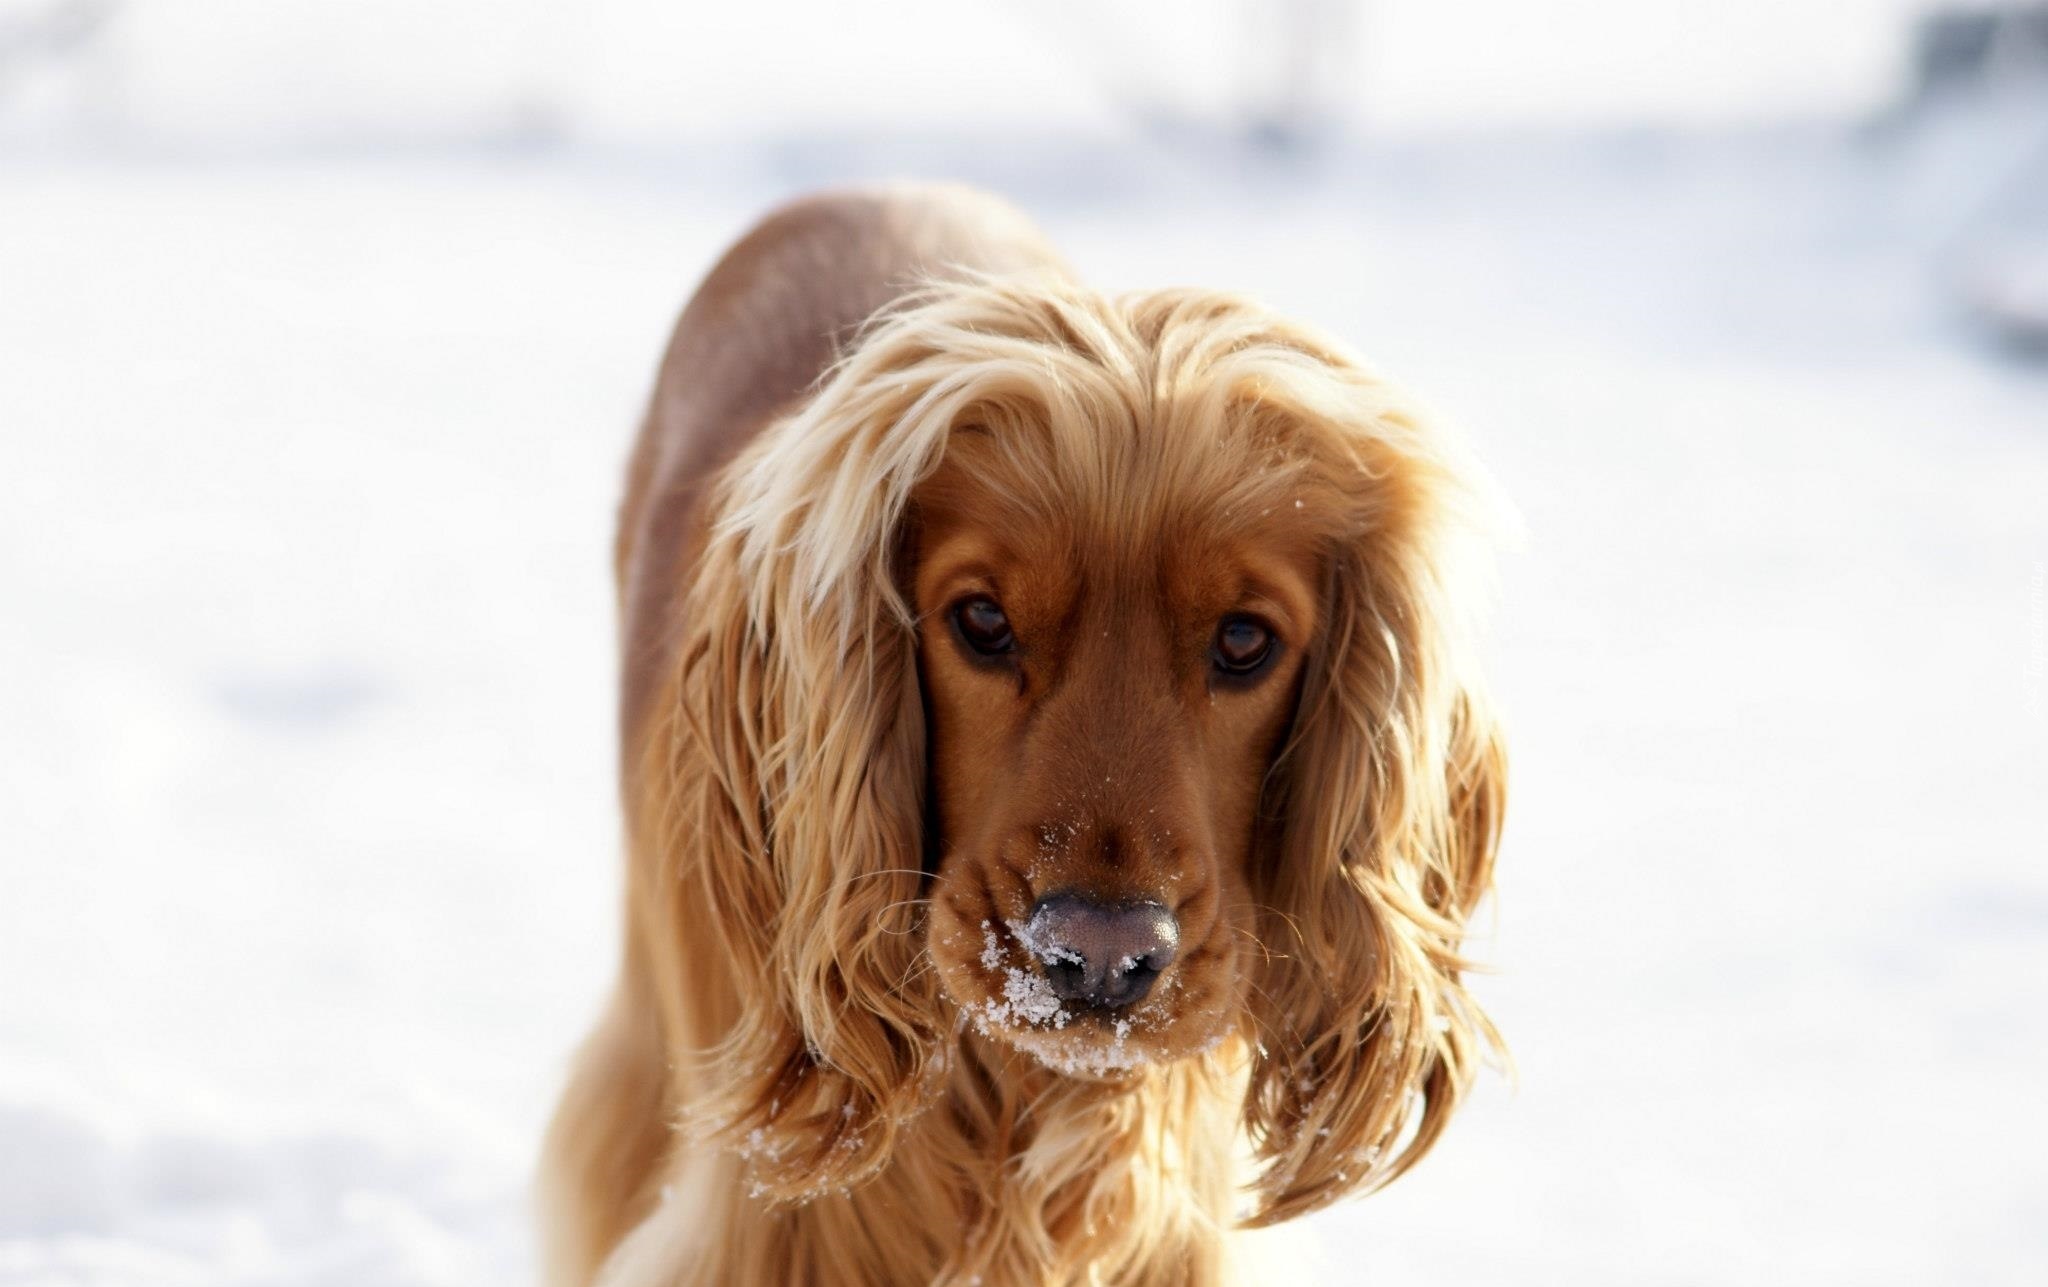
point(888, 871)
point(901, 903)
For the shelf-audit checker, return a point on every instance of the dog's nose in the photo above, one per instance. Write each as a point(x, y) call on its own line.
point(1104, 954)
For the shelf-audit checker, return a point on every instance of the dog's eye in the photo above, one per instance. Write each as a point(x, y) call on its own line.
point(982, 624)
point(1242, 645)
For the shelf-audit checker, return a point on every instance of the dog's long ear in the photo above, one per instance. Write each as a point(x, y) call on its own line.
point(1388, 804)
point(783, 790)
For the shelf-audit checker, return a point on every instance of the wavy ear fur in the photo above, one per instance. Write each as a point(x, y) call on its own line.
point(780, 800)
point(1391, 790)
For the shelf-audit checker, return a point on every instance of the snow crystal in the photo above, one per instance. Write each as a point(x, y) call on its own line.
point(1034, 941)
point(1029, 998)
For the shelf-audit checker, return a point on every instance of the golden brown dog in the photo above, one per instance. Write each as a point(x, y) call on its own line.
point(1055, 781)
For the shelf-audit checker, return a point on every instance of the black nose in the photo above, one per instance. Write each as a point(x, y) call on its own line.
point(1103, 954)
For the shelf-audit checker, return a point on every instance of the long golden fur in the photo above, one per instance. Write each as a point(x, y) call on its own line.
point(825, 1062)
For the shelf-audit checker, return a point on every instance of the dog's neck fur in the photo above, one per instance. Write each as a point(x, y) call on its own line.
point(1014, 1175)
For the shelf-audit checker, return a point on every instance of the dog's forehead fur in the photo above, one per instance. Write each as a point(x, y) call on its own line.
point(1098, 541)
point(1130, 479)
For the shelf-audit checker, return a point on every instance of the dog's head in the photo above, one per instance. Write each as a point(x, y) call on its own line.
point(1094, 672)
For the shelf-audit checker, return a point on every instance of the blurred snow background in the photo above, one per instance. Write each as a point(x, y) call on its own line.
point(323, 328)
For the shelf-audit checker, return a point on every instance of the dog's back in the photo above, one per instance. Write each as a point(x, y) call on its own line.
point(767, 321)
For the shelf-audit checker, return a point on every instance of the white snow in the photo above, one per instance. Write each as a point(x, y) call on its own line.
point(1028, 999)
point(1032, 939)
point(639, 72)
point(308, 838)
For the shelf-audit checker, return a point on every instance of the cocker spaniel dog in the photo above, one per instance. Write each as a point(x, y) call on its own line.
point(1056, 782)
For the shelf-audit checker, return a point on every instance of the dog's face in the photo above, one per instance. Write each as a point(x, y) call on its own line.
point(1139, 624)
point(1106, 694)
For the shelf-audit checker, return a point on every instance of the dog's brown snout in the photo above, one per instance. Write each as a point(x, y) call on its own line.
point(1102, 954)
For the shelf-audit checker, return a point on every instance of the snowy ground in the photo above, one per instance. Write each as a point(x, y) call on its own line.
point(307, 844)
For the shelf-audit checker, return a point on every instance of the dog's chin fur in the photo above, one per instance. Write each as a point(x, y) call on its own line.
point(1111, 1049)
point(830, 1058)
